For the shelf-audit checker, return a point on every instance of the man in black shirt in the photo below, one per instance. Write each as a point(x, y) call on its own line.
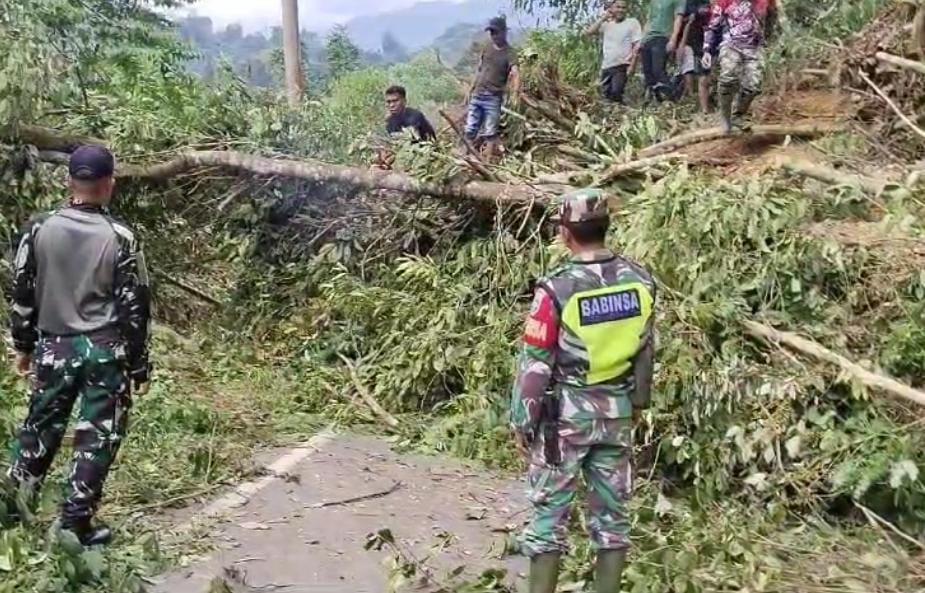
point(401, 116)
point(697, 16)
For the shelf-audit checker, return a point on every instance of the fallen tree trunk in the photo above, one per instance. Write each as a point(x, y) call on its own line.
point(55, 146)
point(811, 130)
point(869, 185)
point(317, 171)
point(48, 139)
point(865, 377)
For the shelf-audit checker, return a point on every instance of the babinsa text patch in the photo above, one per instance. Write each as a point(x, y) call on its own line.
point(609, 307)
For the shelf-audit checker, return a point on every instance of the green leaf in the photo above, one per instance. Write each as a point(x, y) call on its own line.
point(663, 506)
point(793, 445)
point(94, 562)
point(902, 470)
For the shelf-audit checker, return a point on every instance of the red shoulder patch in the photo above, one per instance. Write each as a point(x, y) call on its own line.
point(542, 328)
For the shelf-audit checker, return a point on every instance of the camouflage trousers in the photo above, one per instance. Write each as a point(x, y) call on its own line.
point(741, 68)
point(91, 369)
point(599, 454)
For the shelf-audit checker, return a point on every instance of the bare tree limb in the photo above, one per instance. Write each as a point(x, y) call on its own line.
point(367, 397)
point(621, 169)
point(817, 351)
point(354, 499)
point(810, 130)
point(187, 288)
point(825, 174)
point(476, 162)
point(905, 118)
point(317, 171)
point(901, 62)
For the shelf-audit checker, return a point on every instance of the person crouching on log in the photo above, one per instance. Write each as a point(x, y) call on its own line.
point(584, 375)
point(744, 26)
point(81, 311)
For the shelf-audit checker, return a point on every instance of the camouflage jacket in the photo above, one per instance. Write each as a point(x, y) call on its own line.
point(595, 375)
point(744, 25)
point(78, 271)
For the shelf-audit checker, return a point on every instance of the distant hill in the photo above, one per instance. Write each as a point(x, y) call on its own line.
point(456, 41)
point(420, 25)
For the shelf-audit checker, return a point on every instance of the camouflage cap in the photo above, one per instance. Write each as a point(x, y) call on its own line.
point(582, 205)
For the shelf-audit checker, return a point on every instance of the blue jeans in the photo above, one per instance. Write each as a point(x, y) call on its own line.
point(484, 116)
point(654, 64)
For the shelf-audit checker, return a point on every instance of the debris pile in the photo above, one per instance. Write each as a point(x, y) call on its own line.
point(884, 64)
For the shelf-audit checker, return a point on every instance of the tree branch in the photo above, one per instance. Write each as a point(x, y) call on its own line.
point(810, 130)
point(819, 352)
point(187, 288)
point(905, 118)
point(367, 397)
point(868, 185)
point(621, 169)
point(901, 62)
point(476, 162)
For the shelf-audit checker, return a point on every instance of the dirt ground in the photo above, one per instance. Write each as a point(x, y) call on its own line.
point(304, 531)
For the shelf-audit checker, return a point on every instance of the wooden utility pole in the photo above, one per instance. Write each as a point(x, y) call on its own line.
point(292, 52)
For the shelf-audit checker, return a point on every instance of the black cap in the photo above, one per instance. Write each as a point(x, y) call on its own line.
point(91, 163)
point(499, 23)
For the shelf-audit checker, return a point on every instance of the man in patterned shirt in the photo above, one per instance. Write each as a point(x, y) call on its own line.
point(744, 27)
point(585, 372)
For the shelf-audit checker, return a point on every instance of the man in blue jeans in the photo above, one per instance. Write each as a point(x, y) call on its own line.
point(496, 67)
point(663, 31)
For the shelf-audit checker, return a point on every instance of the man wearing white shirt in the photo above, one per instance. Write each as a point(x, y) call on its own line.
point(621, 38)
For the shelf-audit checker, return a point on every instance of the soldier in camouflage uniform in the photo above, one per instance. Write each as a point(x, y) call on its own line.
point(584, 374)
point(80, 320)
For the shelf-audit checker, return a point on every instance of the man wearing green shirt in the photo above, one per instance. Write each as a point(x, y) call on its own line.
point(666, 18)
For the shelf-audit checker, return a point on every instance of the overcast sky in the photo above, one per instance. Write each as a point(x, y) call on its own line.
point(314, 14)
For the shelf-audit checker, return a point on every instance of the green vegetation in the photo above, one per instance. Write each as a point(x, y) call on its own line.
point(760, 470)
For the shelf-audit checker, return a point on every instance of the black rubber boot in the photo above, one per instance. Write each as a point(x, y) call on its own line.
point(14, 506)
point(544, 573)
point(89, 535)
point(741, 119)
point(9, 512)
point(609, 571)
point(726, 98)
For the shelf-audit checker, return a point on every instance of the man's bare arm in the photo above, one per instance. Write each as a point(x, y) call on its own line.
point(634, 58)
point(675, 33)
point(516, 81)
point(595, 27)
